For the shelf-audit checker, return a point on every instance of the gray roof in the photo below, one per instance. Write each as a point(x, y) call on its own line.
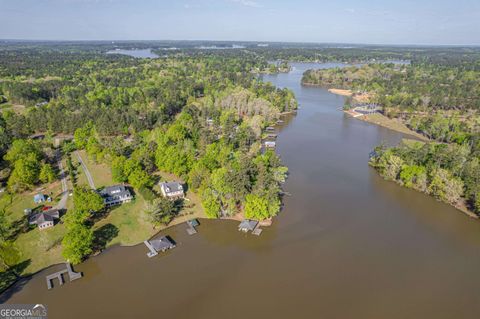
point(193, 223)
point(171, 187)
point(116, 190)
point(162, 243)
point(248, 224)
point(43, 217)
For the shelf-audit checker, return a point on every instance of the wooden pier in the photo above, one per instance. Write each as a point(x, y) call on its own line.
point(152, 252)
point(59, 275)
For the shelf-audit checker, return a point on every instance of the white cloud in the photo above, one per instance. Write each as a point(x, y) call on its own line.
point(248, 3)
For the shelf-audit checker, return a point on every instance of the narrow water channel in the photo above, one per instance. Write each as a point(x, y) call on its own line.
point(347, 244)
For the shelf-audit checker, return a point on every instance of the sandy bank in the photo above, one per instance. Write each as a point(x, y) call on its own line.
point(341, 92)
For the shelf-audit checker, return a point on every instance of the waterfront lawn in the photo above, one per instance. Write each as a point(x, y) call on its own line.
point(42, 247)
point(128, 222)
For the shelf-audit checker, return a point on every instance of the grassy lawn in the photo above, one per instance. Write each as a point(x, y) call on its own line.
point(129, 224)
point(38, 249)
point(101, 173)
point(14, 205)
point(129, 220)
point(41, 247)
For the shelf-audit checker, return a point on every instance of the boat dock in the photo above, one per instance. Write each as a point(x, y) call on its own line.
point(192, 223)
point(250, 225)
point(59, 275)
point(161, 244)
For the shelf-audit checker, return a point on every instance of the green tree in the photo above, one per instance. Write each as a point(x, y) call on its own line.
point(118, 169)
point(47, 174)
point(139, 178)
point(75, 216)
point(22, 149)
point(87, 200)
point(414, 176)
point(211, 204)
point(25, 173)
point(162, 210)
point(82, 135)
point(445, 187)
point(256, 207)
point(77, 243)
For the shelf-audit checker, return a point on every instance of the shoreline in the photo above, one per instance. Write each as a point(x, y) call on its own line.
point(377, 118)
point(398, 126)
point(238, 217)
point(384, 121)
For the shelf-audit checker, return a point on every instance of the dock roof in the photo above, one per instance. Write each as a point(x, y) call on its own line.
point(162, 243)
point(247, 225)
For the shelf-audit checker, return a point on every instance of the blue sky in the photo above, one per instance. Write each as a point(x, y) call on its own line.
point(349, 21)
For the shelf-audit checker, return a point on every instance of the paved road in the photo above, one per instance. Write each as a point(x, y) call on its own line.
point(85, 169)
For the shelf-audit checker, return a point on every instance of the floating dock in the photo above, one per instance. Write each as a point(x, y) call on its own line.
point(59, 275)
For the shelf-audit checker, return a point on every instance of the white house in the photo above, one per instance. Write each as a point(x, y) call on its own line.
point(172, 190)
point(116, 195)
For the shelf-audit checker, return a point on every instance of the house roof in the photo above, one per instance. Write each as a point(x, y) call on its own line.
point(43, 217)
point(171, 187)
point(248, 224)
point(115, 190)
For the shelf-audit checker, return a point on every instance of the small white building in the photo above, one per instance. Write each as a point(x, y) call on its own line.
point(172, 190)
point(270, 144)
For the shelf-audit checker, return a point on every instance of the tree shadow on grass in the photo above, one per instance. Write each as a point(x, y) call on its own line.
point(18, 227)
point(8, 287)
point(103, 236)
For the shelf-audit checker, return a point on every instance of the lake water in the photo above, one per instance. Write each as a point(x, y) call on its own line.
point(136, 53)
point(347, 244)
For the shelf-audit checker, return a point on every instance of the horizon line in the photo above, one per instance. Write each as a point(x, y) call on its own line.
point(243, 41)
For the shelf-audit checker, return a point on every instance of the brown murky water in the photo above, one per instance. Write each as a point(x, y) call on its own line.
point(347, 245)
